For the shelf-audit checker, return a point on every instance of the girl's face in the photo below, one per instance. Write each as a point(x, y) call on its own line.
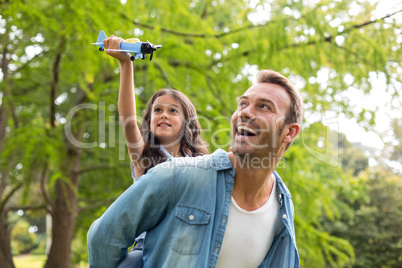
point(166, 119)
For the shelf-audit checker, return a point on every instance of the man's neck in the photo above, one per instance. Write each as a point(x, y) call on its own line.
point(252, 185)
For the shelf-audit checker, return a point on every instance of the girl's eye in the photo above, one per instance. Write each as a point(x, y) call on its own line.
point(173, 110)
point(157, 110)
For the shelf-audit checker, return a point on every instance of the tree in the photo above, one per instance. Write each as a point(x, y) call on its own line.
point(392, 153)
point(353, 159)
point(47, 166)
point(315, 180)
point(60, 143)
point(375, 226)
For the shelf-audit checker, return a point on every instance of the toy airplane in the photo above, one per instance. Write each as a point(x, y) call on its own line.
point(132, 45)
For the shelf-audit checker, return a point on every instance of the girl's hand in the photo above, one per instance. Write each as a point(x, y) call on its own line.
point(113, 42)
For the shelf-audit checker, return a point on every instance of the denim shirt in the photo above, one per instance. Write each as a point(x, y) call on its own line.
point(163, 150)
point(183, 204)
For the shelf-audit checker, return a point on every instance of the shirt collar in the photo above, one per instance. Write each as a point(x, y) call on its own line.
point(221, 161)
point(282, 189)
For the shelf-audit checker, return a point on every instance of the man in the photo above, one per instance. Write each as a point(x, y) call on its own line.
point(221, 210)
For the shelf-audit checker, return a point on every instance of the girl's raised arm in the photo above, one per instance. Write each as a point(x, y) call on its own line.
point(126, 103)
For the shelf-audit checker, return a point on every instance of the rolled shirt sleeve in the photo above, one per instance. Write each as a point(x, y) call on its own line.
point(138, 209)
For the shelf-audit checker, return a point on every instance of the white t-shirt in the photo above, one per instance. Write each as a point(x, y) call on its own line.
point(249, 234)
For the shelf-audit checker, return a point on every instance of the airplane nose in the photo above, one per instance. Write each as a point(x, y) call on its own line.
point(149, 48)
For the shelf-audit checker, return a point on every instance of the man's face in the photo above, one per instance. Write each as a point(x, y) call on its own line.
point(258, 119)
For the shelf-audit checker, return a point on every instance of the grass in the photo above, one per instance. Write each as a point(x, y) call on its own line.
point(29, 261)
point(35, 261)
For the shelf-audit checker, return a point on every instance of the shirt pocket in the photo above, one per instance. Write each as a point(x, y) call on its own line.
point(189, 231)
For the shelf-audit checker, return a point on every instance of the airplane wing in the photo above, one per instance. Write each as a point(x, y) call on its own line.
point(122, 50)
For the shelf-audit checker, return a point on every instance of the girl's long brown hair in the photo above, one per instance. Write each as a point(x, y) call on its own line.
point(191, 142)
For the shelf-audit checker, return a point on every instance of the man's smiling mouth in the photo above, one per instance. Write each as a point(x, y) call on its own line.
point(246, 131)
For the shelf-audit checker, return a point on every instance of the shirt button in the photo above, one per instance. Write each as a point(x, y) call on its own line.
point(191, 217)
point(224, 221)
point(280, 196)
point(284, 216)
point(216, 250)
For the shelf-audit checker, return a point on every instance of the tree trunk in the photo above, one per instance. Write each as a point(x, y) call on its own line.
point(6, 260)
point(64, 215)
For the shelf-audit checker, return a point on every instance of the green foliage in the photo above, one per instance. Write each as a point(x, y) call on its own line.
point(41, 248)
point(79, 252)
point(375, 227)
point(314, 184)
point(354, 160)
point(393, 147)
point(22, 240)
point(49, 69)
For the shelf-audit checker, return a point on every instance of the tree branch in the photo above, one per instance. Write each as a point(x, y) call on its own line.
point(357, 26)
point(204, 10)
point(328, 39)
point(373, 21)
point(25, 208)
point(10, 194)
point(26, 64)
point(216, 93)
point(55, 80)
point(163, 74)
point(43, 181)
point(247, 27)
point(355, 54)
point(195, 35)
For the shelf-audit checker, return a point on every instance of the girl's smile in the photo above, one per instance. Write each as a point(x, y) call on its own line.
point(166, 119)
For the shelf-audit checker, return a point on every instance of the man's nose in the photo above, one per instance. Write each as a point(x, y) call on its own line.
point(248, 113)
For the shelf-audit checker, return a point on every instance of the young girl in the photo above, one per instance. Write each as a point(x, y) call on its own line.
point(170, 127)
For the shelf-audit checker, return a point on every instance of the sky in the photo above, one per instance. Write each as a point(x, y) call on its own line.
point(377, 97)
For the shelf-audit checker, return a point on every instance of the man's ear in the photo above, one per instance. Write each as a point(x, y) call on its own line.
point(290, 132)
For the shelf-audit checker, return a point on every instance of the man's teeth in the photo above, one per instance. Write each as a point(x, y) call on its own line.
point(243, 130)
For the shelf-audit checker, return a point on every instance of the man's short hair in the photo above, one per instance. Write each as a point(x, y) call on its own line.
point(295, 111)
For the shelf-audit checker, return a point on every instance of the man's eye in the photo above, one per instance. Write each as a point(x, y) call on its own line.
point(242, 104)
point(265, 107)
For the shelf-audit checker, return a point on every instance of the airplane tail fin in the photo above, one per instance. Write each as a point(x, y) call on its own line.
point(101, 37)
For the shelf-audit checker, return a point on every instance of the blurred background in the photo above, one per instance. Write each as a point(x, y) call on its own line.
point(63, 159)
